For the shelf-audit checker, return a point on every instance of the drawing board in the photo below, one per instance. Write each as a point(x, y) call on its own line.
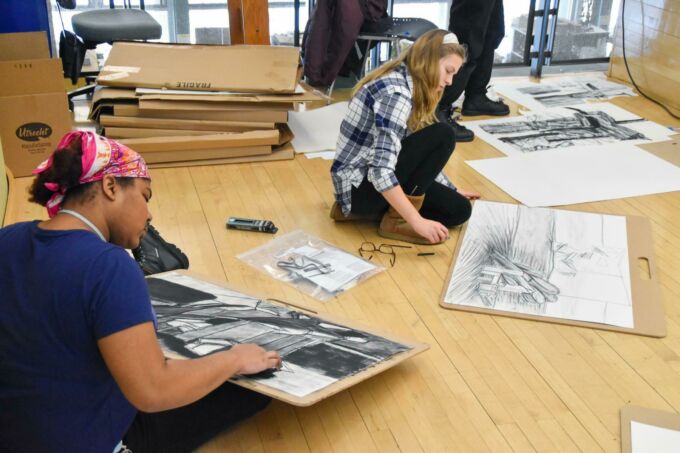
point(581, 175)
point(321, 355)
point(553, 265)
point(646, 430)
point(561, 91)
point(597, 125)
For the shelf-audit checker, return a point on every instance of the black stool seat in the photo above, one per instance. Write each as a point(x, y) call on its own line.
point(108, 25)
point(410, 28)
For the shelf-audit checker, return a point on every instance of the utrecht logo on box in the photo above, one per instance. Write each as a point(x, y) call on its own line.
point(32, 132)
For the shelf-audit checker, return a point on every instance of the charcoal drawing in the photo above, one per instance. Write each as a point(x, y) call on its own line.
point(545, 262)
point(196, 318)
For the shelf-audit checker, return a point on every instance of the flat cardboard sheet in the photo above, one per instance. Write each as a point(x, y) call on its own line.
point(252, 69)
point(205, 142)
point(105, 98)
point(284, 152)
point(168, 123)
point(204, 106)
point(307, 96)
point(668, 151)
point(318, 129)
point(601, 124)
point(648, 313)
point(322, 355)
point(646, 430)
point(259, 116)
point(160, 156)
point(133, 132)
point(580, 175)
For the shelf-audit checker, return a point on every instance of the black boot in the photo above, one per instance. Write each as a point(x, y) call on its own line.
point(462, 133)
point(154, 254)
point(480, 104)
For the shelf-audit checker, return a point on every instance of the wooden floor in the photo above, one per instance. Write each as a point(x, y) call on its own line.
point(487, 383)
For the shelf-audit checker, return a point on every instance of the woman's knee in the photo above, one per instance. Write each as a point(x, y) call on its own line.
point(461, 210)
point(445, 134)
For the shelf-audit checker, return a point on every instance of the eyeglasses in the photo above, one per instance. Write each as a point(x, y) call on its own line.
point(369, 248)
point(309, 267)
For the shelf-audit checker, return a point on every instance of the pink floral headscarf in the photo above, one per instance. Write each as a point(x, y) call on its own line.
point(101, 156)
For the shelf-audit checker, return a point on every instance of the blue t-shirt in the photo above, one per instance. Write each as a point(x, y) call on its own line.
point(61, 291)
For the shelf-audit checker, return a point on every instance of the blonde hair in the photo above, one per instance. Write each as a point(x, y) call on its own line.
point(422, 61)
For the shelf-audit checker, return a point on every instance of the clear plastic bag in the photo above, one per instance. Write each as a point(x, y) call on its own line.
point(310, 264)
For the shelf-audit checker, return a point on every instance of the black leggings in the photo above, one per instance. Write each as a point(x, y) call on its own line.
point(422, 157)
point(186, 428)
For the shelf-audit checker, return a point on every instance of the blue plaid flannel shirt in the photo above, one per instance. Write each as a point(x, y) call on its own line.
point(371, 134)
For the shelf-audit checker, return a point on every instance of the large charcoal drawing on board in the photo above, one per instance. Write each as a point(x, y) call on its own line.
point(593, 125)
point(547, 131)
point(196, 318)
point(544, 262)
point(561, 91)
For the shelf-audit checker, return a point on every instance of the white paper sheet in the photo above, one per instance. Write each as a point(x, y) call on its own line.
point(325, 155)
point(544, 262)
point(560, 91)
point(601, 124)
point(580, 175)
point(646, 438)
point(318, 129)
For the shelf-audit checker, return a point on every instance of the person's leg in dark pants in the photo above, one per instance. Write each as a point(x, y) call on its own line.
point(476, 100)
point(422, 157)
point(446, 206)
point(479, 24)
point(186, 428)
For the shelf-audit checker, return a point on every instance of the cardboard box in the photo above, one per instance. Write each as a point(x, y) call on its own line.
point(261, 116)
point(24, 46)
point(34, 111)
point(251, 69)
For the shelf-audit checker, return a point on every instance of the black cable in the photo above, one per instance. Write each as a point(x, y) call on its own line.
point(625, 62)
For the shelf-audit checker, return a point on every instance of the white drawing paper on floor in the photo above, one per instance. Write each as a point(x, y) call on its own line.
point(196, 318)
point(318, 129)
point(580, 175)
point(561, 91)
point(646, 438)
point(544, 262)
point(601, 125)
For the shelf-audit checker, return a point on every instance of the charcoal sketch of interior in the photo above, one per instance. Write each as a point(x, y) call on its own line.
point(574, 91)
point(196, 318)
point(545, 262)
point(542, 131)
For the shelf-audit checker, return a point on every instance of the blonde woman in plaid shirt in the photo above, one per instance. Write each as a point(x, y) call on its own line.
point(392, 150)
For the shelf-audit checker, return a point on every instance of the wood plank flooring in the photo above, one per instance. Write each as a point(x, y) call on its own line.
point(487, 383)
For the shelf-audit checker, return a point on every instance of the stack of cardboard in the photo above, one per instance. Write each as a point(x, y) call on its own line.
point(190, 105)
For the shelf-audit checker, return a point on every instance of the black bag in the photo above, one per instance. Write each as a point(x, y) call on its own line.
point(155, 255)
point(72, 53)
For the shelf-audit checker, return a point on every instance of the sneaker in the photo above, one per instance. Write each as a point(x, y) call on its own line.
point(485, 104)
point(155, 255)
point(462, 133)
